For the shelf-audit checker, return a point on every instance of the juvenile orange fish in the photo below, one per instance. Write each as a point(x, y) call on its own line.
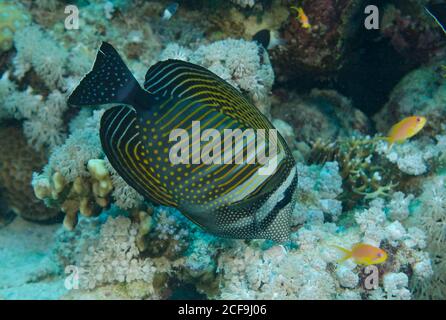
point(302, 17)
point(364, 254)
point(406, 128)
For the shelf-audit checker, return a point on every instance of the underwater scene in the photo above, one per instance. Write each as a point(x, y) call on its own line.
point(223, 149)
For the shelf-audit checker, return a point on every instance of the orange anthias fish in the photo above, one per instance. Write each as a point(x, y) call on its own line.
point(364, 254)
point(406, 128)
point(302, 17)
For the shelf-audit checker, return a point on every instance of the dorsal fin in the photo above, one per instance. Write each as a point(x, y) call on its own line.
point(185, 80)
point(121, 143)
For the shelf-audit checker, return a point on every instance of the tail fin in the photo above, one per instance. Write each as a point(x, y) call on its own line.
point(110, 81)
point(347, 253)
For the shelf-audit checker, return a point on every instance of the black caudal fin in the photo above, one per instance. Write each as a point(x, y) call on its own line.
point(110, 81)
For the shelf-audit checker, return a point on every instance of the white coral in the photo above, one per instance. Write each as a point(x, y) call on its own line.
point(43, 118)
point(125, 196)
point(115, 258)
point(317, 190)
point(36, 49)
point(412, 157)
point(395, 285)
point(399, 206)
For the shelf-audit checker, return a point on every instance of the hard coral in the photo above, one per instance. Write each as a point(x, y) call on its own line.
point(421, 92)
point(432, 219)
point(320, 50)
point(78, 179)
point(17, 163)
point(412, 32)
point(43, 117)
point(323, 114)
point(12, 18)
point(364, 174)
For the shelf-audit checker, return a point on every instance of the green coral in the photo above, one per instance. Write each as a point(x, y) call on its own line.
point(12, 18)
point(365, 173)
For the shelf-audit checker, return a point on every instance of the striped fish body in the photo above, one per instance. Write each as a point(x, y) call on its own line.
point(230, 200)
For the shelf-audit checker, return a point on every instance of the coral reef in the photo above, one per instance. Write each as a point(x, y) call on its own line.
point(70, 179)
point(16, 169)
point(308, 269)
point(243, 64)
point(323, 114)
point(364, 177)
point(320, 50)
point(420, 92)
point(13, 18)
point(106, 255)
point(317, 190)
point(415, 157)
point(245, 3)
point(351, 187)
point(431, 217)
point(111, 264)
point(412, 32)
point(76, 178)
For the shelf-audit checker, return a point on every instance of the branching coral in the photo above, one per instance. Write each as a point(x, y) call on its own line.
point(363, 175)
point(115, 256)
point(108, 255)
point(42, 113)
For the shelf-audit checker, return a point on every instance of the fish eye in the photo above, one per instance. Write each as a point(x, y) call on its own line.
point(379, 255)
point(418, 119)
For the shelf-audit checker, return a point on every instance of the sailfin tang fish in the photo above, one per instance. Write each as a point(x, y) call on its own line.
point(227, 199)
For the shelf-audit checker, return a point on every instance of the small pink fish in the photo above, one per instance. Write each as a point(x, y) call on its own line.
point(406, 128)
